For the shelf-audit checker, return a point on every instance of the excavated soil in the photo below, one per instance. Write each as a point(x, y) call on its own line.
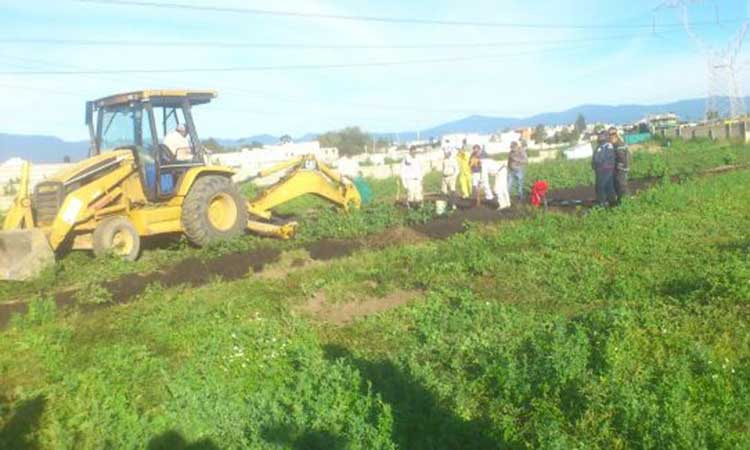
point(395, 236)
point(445, 227)
point(586, 195)
point(193, 272)
point(341, 314)
point(328, 249)
point(190, 272)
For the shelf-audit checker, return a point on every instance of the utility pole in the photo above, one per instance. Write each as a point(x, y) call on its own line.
point(724, 95)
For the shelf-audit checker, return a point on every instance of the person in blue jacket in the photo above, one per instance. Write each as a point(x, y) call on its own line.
point(603, 163)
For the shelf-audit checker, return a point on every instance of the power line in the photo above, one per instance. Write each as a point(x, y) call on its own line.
point(223, 88)
point(245, 93)
point(42, 90)
point(379, 19)
point(291, 67)
point(295, 46)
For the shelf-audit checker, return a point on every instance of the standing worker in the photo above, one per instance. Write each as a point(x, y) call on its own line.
point(475, 162)
point(517, 161)
point(464, 173)
point(450, 173)
point(501, 186)
point(490, 167)
point(622, 165)
point(603, 163)
point(411, 178)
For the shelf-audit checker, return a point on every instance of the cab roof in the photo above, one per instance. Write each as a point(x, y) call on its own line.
point(159, 97)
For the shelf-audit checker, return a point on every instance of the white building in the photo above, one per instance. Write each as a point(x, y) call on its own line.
point(492, 143)
point(583, 150)
point(249, 162)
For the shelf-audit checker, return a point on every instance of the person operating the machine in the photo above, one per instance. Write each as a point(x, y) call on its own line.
point(178, 143)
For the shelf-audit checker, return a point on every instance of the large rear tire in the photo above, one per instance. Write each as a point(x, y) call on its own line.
point(118, 237)
point(213, 210)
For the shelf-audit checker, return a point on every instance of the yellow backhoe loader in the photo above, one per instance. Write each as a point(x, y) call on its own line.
point(134, 186)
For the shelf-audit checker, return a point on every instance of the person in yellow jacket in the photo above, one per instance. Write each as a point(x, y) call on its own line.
point(464, 173)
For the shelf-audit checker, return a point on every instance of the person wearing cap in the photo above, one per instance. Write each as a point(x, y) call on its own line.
point(411, 178)
point(178, 143)
point(450, 173)
point(603, 163)
point(517, 161)
point(622, 165)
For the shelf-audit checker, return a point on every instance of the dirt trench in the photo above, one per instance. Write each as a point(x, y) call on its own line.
point(194, 272)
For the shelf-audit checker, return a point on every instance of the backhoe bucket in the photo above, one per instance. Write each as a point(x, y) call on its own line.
point(23, 254)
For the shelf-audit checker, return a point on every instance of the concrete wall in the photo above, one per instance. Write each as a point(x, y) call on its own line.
point(737, 131)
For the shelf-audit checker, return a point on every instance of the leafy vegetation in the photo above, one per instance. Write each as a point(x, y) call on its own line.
point(683, 159)
point(619, 329)
point(320, 220)
point(351, 141)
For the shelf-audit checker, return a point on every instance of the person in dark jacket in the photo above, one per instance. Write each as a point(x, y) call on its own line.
point(622, 165)
point(603, 163)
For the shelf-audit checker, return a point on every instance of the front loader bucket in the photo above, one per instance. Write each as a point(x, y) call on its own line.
point(23, 254)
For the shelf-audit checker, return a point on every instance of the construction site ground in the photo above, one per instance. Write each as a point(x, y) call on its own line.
point(194, 272)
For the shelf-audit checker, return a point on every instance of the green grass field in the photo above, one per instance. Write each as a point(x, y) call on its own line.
point(618, 329)
point(321, 220)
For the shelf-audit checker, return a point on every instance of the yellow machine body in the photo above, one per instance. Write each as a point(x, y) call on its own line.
point(65, 210)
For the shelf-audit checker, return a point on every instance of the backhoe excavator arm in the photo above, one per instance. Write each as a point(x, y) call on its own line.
point(308, 176)
point(19, 215)
point(280, 167)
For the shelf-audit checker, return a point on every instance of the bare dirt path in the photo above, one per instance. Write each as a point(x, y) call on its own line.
point(194, 272)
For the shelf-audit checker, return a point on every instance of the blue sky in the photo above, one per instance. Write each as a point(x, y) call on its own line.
point(548, 69)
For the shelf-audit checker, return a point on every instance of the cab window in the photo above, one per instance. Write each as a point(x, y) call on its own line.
point(118, 128)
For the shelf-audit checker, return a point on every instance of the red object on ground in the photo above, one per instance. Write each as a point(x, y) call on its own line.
point(539, 193)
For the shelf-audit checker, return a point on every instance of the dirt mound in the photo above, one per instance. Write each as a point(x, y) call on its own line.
point(194, 272)
point(320, 310)
point(327, 249)
point(190, 272)
point(394, 236)
point(445, 227)
point(287, 262)
point(586, 195)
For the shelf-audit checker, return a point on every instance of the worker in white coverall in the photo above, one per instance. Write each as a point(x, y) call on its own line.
point(411, 178)
point(450, 172)
point(501, 185)
point(489, 169)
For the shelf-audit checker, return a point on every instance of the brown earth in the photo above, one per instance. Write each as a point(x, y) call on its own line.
point(190, 272)
point(341, 314)
point(193, 272)
point(287, 262)
point(327, 249)
point(445, 227)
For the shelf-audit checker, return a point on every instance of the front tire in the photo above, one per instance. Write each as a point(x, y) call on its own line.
point(118, 237)
point(213, 210)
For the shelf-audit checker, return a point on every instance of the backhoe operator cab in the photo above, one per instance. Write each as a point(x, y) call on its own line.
point(140, 121)
point(134, 186)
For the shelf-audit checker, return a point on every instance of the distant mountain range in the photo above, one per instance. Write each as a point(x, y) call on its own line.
point(40, 149)
point(48, 149)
